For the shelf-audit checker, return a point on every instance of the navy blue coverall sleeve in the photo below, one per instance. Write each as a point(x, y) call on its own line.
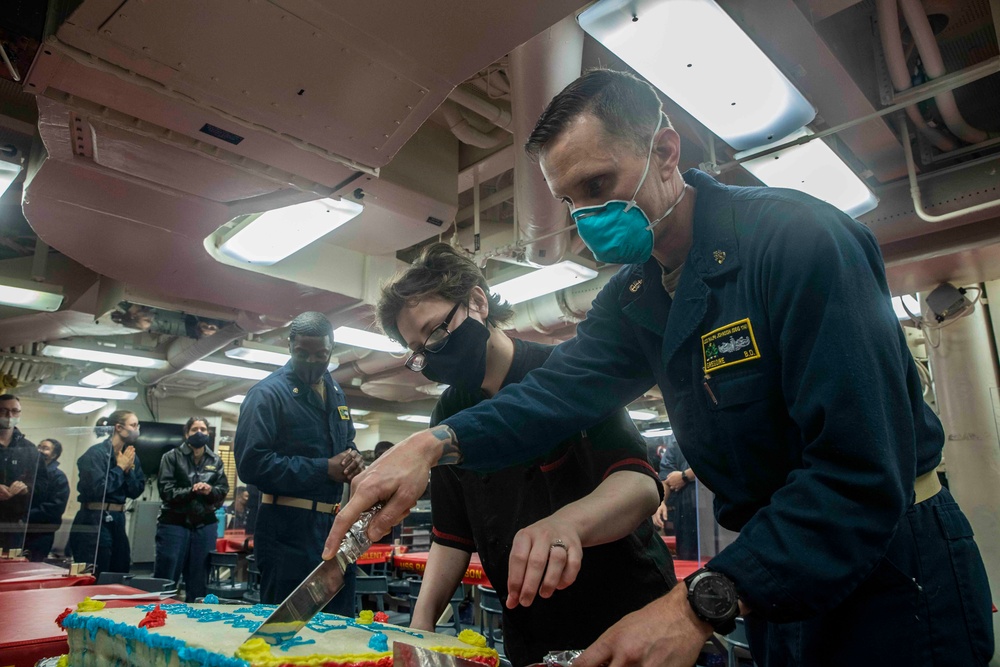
point(48, 508)
point(257, 460)
point(93, 469)
point(844, 379)
point(602, 368)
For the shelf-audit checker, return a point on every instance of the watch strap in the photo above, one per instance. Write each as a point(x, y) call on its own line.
point(722, 626)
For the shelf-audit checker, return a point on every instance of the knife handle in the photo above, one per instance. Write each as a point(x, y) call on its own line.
point(356, 542)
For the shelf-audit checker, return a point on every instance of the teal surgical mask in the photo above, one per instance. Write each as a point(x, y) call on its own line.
point(618, 231)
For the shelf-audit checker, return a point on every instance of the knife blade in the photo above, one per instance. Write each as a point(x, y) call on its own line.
point(408, 655)
point(316, 591)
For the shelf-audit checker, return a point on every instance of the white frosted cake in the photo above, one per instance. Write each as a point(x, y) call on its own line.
point(210, 635)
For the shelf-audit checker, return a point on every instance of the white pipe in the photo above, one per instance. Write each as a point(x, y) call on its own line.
point(930, 54)
point(539, 69)
point(465, 132)
point(486, 203)
point(895, 60)
point(918, 206)
point(491, 111)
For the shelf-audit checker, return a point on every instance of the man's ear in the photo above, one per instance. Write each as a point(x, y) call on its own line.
point(667, 152)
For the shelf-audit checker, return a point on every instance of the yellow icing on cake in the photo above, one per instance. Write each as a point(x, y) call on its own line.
point(90, 605)
point(366, 617)
point(258, 653)
point(63, 661)
point(472, 638)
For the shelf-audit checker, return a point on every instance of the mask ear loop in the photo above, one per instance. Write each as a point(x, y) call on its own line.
point(649, 159)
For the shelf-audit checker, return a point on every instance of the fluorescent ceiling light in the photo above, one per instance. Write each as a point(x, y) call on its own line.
point(543, 281)
point(355, 412)
point(269, 237)
point(27, 294)
point(87, 392)
point(699, 57)
point(911, 303)
point(366, 339)
point(8, 174)
point(259, 354)
point(416, 419)
point(641, 415)
point(360, 426)
point(815, 169)
point(106, 377)
point(237, 399)
point(103, 356)
point(83, 407)
point(228, 370)
point(657, 432)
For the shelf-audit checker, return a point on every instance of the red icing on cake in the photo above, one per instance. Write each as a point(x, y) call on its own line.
point(60, 617)
point(381, 617)
point(155, 618)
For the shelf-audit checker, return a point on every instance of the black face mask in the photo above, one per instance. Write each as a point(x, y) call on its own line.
point(198, 439)
point(462, 361)
point(310, 372)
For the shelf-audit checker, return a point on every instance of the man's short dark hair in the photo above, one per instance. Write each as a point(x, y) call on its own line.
point(626, 105)
point(382, 447)
point(56, 447)
point(310, 323)
point(9, 397)
point(440, 271)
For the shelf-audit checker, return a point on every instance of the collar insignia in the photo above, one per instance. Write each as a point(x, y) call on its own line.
point(634, 287)
point(719, 255)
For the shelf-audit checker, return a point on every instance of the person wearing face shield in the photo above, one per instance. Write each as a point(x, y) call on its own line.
point(108, 474)
point(192, 484)
point(295, 444)
point(764, 317)
point(22, 475)
point(570, 529)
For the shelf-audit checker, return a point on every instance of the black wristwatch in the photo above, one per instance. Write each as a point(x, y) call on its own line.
point(714, 600)
point(684, 475)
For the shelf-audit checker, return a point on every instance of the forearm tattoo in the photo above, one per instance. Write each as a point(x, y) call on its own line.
point(450, 453)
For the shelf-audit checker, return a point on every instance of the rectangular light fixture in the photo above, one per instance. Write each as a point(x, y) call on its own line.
point(30, 295)
point(366, 339)
point(237, 399)
point(360, 426)
point(259, 354)
point(106, 377)
point(83, 407)
point(815, 169)
point(8, 174)
point(641, 415)
point(228, 370)
point(356, 412)
point(911, 303)
point(543, 281)
point(132, 358)
point(415, 419)
point(696, 54)
point(269, 237)
point(657, 432)
point(87, 392)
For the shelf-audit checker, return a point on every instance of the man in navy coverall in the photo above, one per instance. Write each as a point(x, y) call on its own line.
point(295, 443)
point(764, 317)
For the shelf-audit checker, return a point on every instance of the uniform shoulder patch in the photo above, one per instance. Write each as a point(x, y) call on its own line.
point(344, 411)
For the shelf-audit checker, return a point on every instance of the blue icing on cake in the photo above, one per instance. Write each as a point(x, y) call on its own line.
point(295, 641)
point(94, 624)
point(211, 598)
point(379, 642)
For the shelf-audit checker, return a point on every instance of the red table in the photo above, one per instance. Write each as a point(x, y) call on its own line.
point(234, 540)
point(31, 634)
point(671, 542)
point(17, 569)
point(683, 568)
point(381, 553)
point(417, 562)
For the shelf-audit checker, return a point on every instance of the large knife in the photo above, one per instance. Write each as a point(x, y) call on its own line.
point(318, 588)
point(408, 655)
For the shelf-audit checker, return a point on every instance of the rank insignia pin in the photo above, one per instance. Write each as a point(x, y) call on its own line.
point(719, 255)
point(634, 287)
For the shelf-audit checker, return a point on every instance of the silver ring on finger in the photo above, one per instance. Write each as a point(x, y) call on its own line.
point(559, 544)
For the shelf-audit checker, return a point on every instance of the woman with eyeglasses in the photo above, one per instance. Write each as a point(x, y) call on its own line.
point(572, 530)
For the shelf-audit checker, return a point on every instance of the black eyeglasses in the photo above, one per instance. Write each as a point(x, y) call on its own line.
point(435, 342)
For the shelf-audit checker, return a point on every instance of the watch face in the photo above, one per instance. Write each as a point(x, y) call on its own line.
point(715, 597)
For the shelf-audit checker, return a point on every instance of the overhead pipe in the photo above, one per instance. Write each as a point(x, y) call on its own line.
point(918, 206)
point(183, 352)
point(466, 132)
point(486, 203)
point(494, 112)
point(895, 60)
point(371, 367)
point(550, 312)
point(930, 55)
point(212, 396)
point(539, 69)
